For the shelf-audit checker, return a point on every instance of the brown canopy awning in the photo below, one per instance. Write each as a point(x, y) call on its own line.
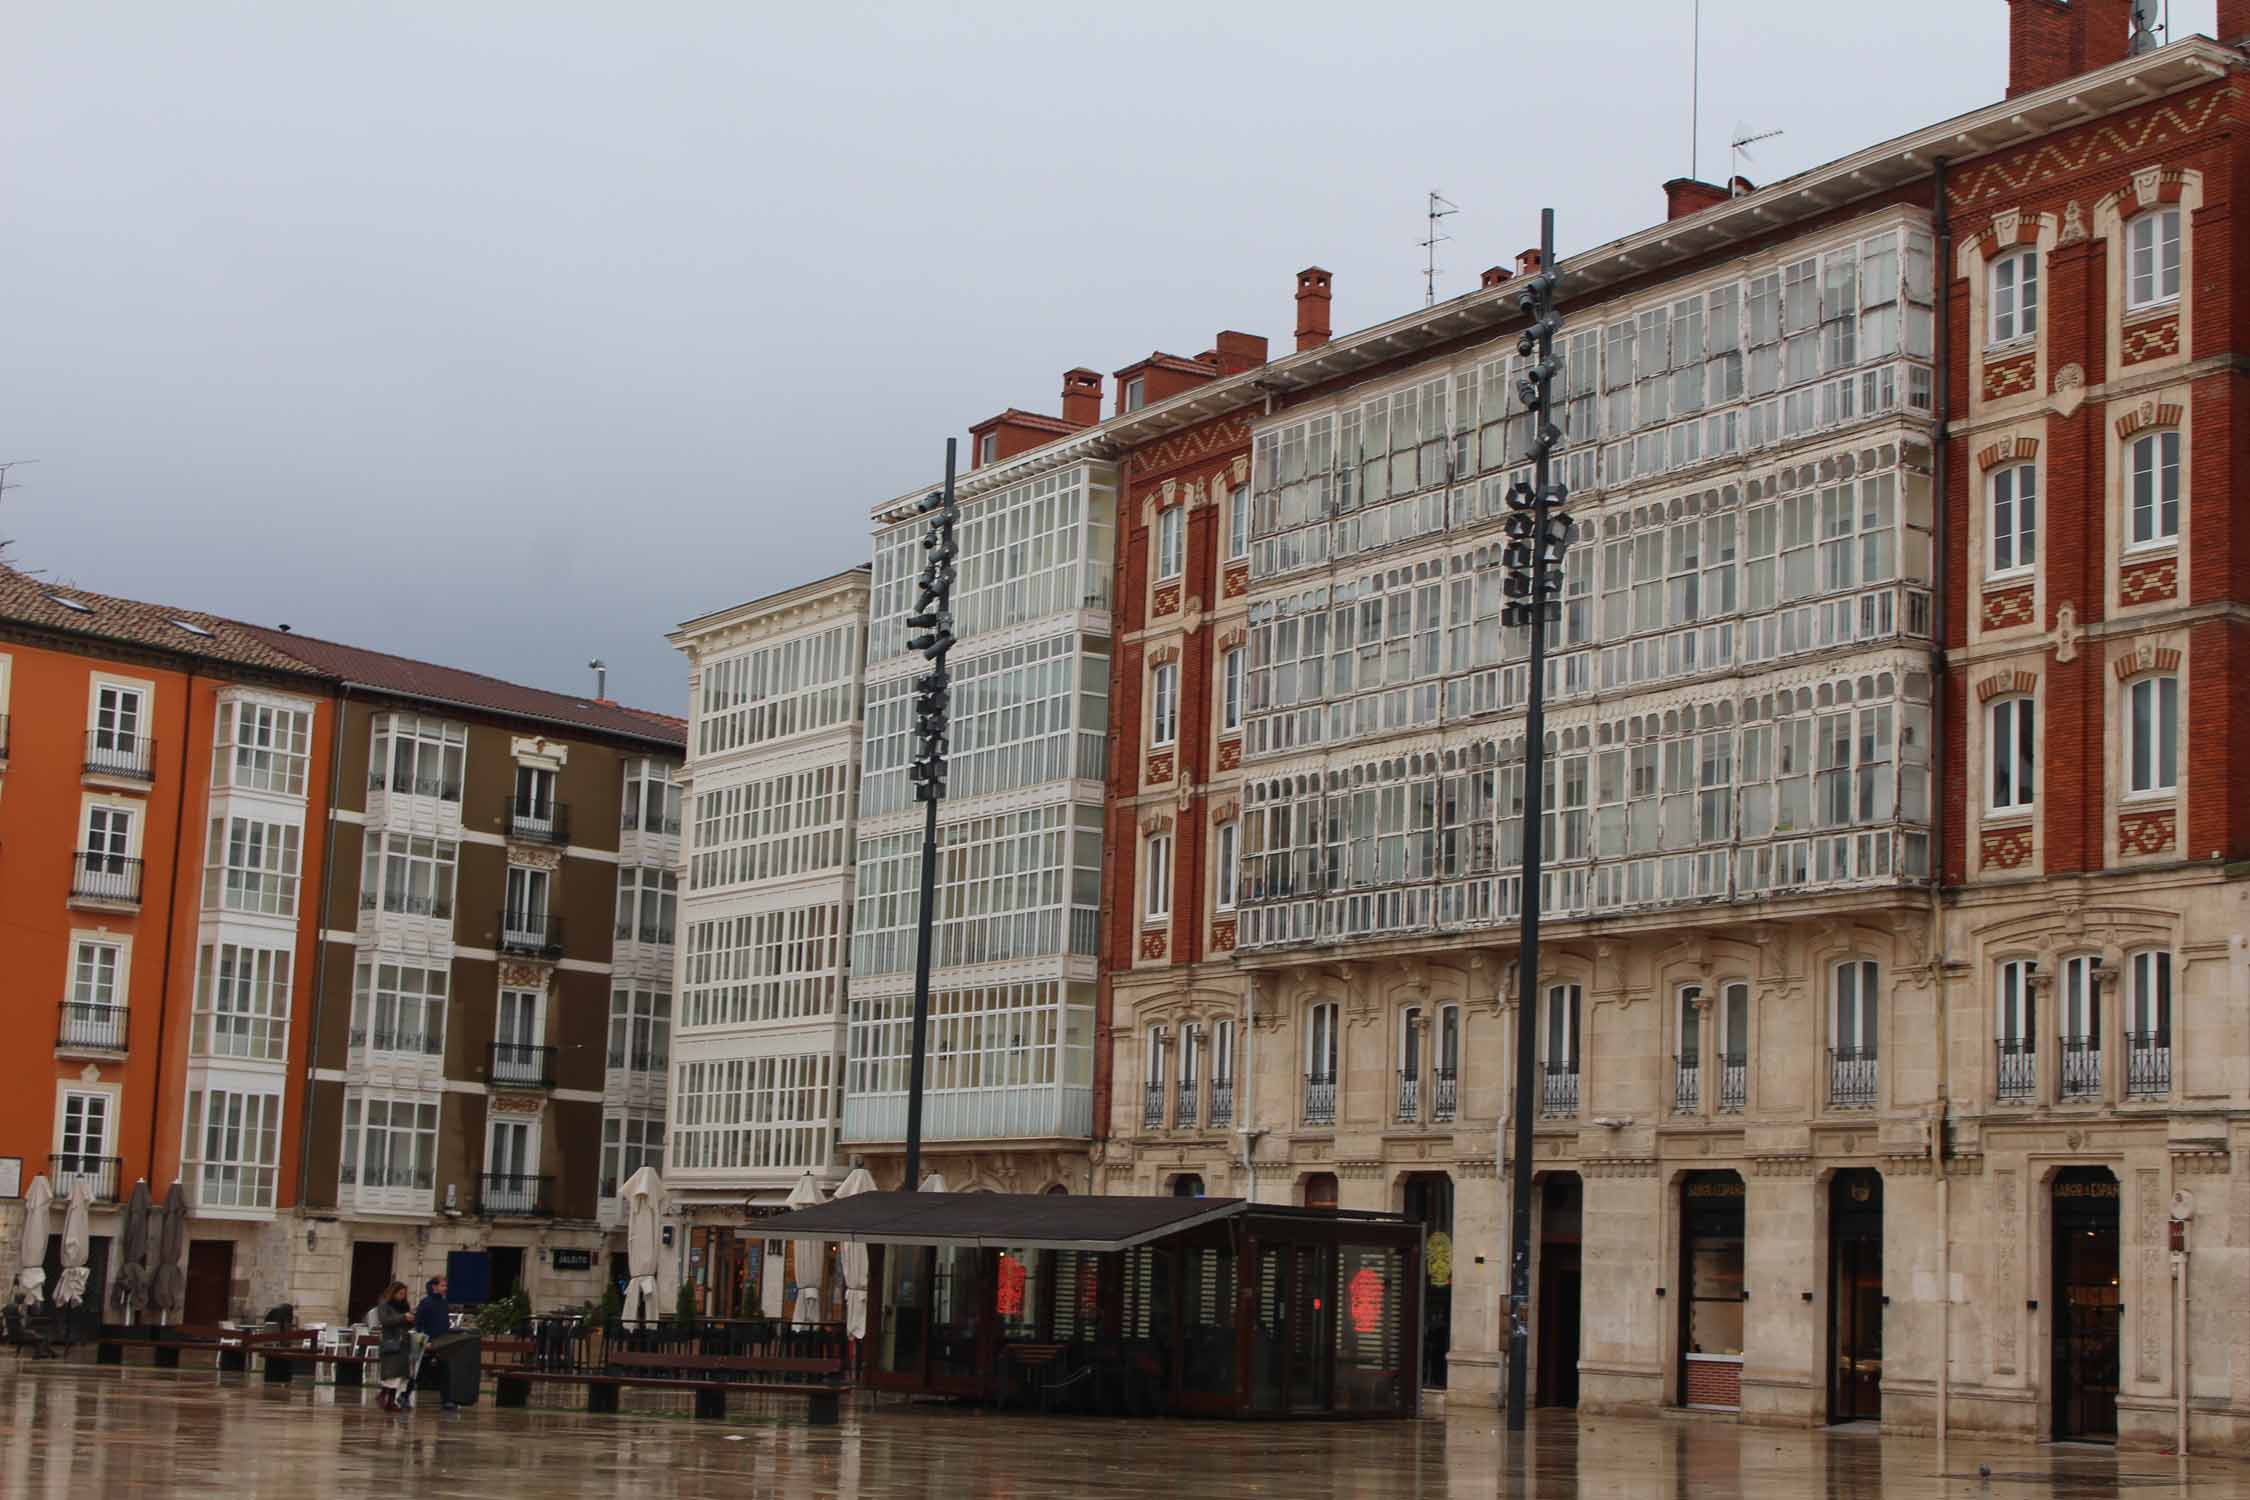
point(1002, 1221)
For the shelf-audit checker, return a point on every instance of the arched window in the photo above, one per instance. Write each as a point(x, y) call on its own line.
point(2152, 736)
point(1853, 997)
point(2152, 258)
point(1687, 1060)
point(2014, 513)
point(1320, 1064)
point(1410, 1063)
point(2009, 732)
point(2015, 296)
point(2015, 1032)
point(1445, 1064)
point(2152, 497)
point(1734, 1046)
point(1559, 1036)
point(1153, 1073)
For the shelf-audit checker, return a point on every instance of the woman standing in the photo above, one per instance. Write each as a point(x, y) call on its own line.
point(395, 1319)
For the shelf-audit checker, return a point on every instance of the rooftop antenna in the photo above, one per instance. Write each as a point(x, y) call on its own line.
point(2146, 23)
point(1744, 139)
point(601, 678)
point(1441, 207)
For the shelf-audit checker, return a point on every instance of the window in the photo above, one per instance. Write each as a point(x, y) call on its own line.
point(629, 1143)
point(1853, 998)
point(2015, 296)
point(241, 1002)
point(408, 875)
point(1136, 393)
point(1171, 542)
point(85, 1134)
point(417, 757)
point(391, 1143)
point(527, 898)
point(1734, 1047)
point(399, 1008)
point(988, 448)
point(1559, 1039)
point(647, 904)
point(2153, 506)
point(1445, 1061)
point(109, 837)
point(97, 971)
point(2149, 1013)
point(2018, 1019)
point(2015, 519)
point(2081, 1000)
point(511, 1154)
point(117, 726)
point(1230, 693)
point(534, 807)
point(2010, 724)
point(1159, 878)
point(518, 1030)
point(1228, 844)
point(1152, 1059)
point(251, 866)
point(2152, 258)
point(1164, 705)
point(1320, 1043)
point(652, 797)
point(1238, 523)
point(262, 748)
point(640, 1029)
point(2152, 736)
point(233, 1148)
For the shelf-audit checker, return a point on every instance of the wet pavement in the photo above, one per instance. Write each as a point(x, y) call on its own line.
point(75, 1431)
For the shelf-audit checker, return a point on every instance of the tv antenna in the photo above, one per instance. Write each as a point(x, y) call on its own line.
point(1744, 139)
point(1441, 207)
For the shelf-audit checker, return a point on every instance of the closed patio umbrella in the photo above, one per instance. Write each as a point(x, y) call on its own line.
point(643, 1193)
point(77, 1239)
point(854, 1259)
point(129, 1287)
point(168, 1286)
point(38, 1216)
point(808, 1253)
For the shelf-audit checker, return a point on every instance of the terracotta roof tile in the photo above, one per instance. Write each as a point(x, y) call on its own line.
point(190, 632)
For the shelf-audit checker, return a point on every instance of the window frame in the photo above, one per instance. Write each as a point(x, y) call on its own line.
point(1156, 878)
point(1226, 863)
point(2159, 270)
point(2142, 966)
point(2155, 441)
point(1238, 523)
point(2164, 779)
point(1322, 1019)
point(1164, 705)
point(2020, 535)
point(2015, 1004)
point(1231, 668)
point(1867, 988)
point(1135, 395)
point(1170, 543)
point(2020, 713)
point(1572, 995)
point(2024, 295)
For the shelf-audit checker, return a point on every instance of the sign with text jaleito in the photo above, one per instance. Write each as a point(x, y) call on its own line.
point(574, 1260)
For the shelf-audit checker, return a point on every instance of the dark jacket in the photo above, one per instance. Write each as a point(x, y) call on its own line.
point(433, 1316)
point(397, 1347)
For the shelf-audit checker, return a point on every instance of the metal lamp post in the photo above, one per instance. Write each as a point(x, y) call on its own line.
point(1538, 531)
point(933, 617)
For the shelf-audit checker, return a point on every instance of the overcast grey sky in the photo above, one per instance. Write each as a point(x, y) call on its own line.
point(509, 334)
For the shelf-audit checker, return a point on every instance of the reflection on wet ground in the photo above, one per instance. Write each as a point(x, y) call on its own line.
point(74, 1432)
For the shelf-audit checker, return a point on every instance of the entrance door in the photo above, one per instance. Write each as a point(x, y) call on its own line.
point(507, 1269)
point(1855, 1297)
point(2087, 1310)
point(1560, 1212)
point(1311, 1298)
point(1429, 1202)
point(210, 1281)
point(371, 1273)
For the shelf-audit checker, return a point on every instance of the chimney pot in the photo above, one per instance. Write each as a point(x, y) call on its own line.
point(1687, 195)
point(1314, 295)
point(1082, 397)
point(1527, 262)
point(2051, 40)
point(1495, 276)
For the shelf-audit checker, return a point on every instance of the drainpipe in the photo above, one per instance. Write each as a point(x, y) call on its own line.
point(171, 917)
point(1942, 274)
point(1247, 1068)
point(320, 937)
point(2180, 1345)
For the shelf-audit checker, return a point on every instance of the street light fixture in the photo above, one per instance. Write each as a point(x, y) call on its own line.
point(932, 617)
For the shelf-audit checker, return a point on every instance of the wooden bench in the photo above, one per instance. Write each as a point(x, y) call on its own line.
point(168, 1344)
point(500, 1353)
point(823, 1403)
point(350, 1368)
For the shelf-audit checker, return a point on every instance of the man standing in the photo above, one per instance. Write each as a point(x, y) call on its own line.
point(433, 1317)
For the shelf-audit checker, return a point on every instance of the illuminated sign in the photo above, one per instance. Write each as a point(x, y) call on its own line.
point(1011, 1287)
point(1366, 1289)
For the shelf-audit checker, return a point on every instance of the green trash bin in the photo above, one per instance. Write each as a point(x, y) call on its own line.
point(453, 1367)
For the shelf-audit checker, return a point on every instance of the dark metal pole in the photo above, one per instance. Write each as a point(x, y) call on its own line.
point(936, 610)
point(1527, 963)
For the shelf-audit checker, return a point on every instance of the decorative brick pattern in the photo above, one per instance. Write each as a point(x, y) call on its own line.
point(2005, 609)
point(1222, 936)
point(2069, 153)
point(1166, 602)
point(2149, 582)
point(2005, 848)
point(1711, 1384)
point(1230, 755)
point(2013, 376)
point(1160, 769)
point(2152, 832)
point(2146, 659)
point(1153, 944)
point(1201, 442)
point(2007, 682)
point(2009, 450)
point(2159, 338)
point(1237, 581)
point(2149, 414)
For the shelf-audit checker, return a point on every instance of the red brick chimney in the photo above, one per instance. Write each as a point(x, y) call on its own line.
point(2234, 22)
point(2051, 40)
point(1313, 298)
point(1686, 195)
point(1740, 186)
point(1527, 263)
point(1235, 352)
point(1496, 275)
point(1081, 397)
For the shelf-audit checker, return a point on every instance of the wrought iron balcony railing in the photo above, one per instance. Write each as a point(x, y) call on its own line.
point(1320, 1099)
point(1851, 1078)
point(539, 820)
point(531, 934)
point(2081, 1058)
point(523, 1065)
point(105, 877)
point(2015, 1078)
point(131, 757)
point(98, 1027)
point(515, 1195)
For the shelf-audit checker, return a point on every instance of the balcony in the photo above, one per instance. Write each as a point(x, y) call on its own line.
point(1320, 1100)
point(531, 934)
point(87, 1027)
point(1184, 1114)
point(515, 1195)
point(520, 1065)
point(66, 1170)
point(106, 880)
point(1039, 1111)
point(1222, 1102)
point(1152, 1106)
point(1851, 1078)
point(2148, 1064)
point(1445, 1097)
point(2081, 1068)
point(1409, 1098)
point(2015, 1077)
point(1687, 1085)
point(533, 821)
point(120, 757)
point(1558, 1091)
point(1734, 1084)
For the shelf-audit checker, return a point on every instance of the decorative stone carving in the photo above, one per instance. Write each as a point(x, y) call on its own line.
point(2066, 631)
point(2070, 389)
point(2074, 224)
point(538, 857)
point(2005, 1251)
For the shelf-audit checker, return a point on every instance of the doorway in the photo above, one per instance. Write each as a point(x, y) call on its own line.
point(1429, 1202)
point(1292, 1353)
point(1712, 1224)
point(210, 1281)
point(506, 1263)
point(371, 1275)
point(1561, 1214)
point(1855, 1297)
point(2087, 1310)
